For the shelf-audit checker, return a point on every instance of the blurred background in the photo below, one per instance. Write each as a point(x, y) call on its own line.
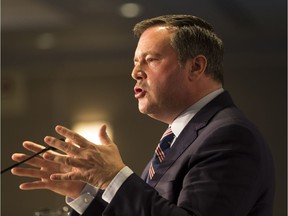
point(69, 62)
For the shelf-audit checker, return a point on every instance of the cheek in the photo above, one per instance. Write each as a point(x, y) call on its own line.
point(166, 80)
point(158, 86)
point(176, 85)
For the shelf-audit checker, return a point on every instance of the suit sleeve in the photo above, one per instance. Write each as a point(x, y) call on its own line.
point(96, 207)
point(222, 178)
point(136, 197)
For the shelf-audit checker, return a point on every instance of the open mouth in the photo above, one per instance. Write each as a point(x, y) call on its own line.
point(139, 92)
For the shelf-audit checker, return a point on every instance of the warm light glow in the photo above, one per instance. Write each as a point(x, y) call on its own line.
point(90, 130)
point(45, 41)
point(130, 10)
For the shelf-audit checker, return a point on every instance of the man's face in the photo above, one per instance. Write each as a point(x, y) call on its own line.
point(161, 80)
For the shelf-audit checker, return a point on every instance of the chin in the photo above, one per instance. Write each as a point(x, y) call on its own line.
point(142, 110)
point(150, 109)
point(143, 106)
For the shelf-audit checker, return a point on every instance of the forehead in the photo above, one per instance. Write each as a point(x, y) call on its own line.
point(154, 38)
point(156, 33)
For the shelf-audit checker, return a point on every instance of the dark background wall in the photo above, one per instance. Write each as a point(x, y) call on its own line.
point(65, 61)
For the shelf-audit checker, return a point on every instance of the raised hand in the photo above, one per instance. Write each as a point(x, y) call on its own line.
point(94, 164)
point(42, 169)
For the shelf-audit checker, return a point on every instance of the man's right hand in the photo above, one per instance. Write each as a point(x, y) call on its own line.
point(42, 169)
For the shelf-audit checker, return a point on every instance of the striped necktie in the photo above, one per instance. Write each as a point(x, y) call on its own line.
point(161, 151)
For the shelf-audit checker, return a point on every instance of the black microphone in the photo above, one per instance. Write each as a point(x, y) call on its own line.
point(38, 153)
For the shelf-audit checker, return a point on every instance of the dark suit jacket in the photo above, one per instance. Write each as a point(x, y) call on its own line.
point(218, 166)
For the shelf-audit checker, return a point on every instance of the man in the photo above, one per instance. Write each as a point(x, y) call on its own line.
point(216, 162)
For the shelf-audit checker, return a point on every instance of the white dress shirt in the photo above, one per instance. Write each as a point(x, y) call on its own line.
point(89, 192)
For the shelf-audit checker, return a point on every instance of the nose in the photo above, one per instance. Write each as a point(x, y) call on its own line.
point(138, 73)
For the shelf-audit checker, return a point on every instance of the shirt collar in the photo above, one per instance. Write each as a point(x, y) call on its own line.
point(182, 120)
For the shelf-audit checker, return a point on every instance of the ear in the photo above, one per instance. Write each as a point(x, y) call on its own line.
point(197, 67)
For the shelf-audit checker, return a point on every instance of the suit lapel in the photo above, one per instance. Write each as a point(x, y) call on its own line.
point(190, 133)
point(144, 174)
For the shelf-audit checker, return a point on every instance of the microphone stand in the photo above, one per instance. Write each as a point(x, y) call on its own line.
point(29, 158)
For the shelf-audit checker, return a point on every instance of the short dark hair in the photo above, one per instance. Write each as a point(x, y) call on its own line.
point(192, 36)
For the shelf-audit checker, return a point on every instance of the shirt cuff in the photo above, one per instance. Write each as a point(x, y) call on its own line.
point(116, 183)
point(81, 203)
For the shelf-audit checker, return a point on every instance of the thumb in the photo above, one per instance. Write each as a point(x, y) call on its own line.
point(103, 136)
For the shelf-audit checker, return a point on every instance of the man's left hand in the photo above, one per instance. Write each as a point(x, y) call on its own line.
point(93, 164)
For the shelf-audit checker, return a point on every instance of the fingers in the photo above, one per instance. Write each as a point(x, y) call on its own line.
point(74, 143)
point(36, 162)
point(30, 172)
point(67, 176)
point(103, 136)
point(67, 147)
point(81, 141)
point(33, 185)
point(80, 161)
point(72, 136)
point(70, 161)
point(58, 159)
point(33, 147)
point(70, 176)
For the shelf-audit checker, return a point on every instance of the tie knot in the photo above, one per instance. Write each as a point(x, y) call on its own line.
point(167, 138)
point(168, 132)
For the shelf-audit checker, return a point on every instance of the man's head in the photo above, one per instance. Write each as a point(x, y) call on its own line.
point(178, 60)
point(192, 36)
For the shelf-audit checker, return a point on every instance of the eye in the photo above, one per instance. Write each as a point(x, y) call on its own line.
point(149, 60)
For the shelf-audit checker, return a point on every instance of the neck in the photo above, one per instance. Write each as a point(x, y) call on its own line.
point(169, 117)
